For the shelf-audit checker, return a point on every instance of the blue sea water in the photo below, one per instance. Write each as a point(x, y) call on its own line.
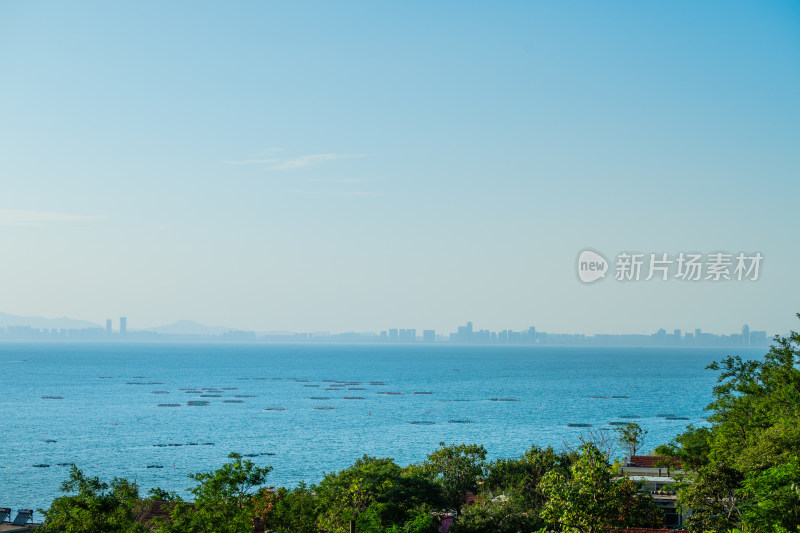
point(108, 421)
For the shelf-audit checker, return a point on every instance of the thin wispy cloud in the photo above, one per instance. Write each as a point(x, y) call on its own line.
point(312, 160)
point(335, 193)
point(303, 161)
point(253, 162)
point(24, 217)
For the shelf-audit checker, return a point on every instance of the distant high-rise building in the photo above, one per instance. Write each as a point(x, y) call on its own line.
point(428, 335)
point(408, 335)
point(123, 325)
point(746, 334)
point(393, 336)
point(108, 327)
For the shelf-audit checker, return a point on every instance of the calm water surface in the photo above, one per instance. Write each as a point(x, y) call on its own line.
point(108, 420)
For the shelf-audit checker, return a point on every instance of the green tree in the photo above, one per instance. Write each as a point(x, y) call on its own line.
point(743, 463)
point(631, 437)
point(457, 469)
point(583, 499)
point(225, 500)
point(772, 498)
point(376, 493)
point(291, 510)
point(587, 499)
point(92, 506)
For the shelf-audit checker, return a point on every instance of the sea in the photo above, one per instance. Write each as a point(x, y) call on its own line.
point(156, 412)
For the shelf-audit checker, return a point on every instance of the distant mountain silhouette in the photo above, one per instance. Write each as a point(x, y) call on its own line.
point(190, 327)
point(45, 323)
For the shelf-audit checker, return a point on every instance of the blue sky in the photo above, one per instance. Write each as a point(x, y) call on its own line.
point(359, 166)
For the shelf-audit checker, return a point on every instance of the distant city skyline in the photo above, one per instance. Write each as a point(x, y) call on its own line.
point(304, 166)
point(466, 334)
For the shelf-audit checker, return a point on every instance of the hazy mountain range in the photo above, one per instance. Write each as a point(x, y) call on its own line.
point(45, 323)
point(181, 327)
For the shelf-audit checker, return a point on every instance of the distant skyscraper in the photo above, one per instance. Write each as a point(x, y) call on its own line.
point(393, 335)
point(408, 335)
point(123, 325)
point(108, 327)
point(428, 335)
point(746, 334)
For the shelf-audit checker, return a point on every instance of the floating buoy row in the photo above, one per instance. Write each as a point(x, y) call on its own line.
point(187, 444)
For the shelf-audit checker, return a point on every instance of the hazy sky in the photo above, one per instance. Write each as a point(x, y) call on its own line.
point(359, 165)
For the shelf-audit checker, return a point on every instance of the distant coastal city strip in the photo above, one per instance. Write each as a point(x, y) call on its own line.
point(467, 334)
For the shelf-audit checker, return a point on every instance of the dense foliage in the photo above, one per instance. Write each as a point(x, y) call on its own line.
point(747, 464)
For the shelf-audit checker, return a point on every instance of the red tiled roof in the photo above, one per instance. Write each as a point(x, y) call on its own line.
point(649, 461)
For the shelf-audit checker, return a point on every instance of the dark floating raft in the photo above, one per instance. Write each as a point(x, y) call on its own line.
point(169, 405)
point(503, 399)
point(257, 454)
point(320, 398)
point(663, 415)
point(356, 388)
point(155, 466)
point(196, 402)
point(50, 440)
point(629, 416)
point(244, 395)
point(211, 396)
point(232, 401)
point(159, 392)
point(229, 388)
point(274, 408)
point(314, 385)
point(421, 392)
point(324, 408)
point(40, 466)
point(622, 396)
point(423, 422)
point(677, 418)
point(579, 425)
point(51, 397)
point(65, 464)
point(460, 421)
point(352, 397)
point(387, 393)
point(618, 423)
